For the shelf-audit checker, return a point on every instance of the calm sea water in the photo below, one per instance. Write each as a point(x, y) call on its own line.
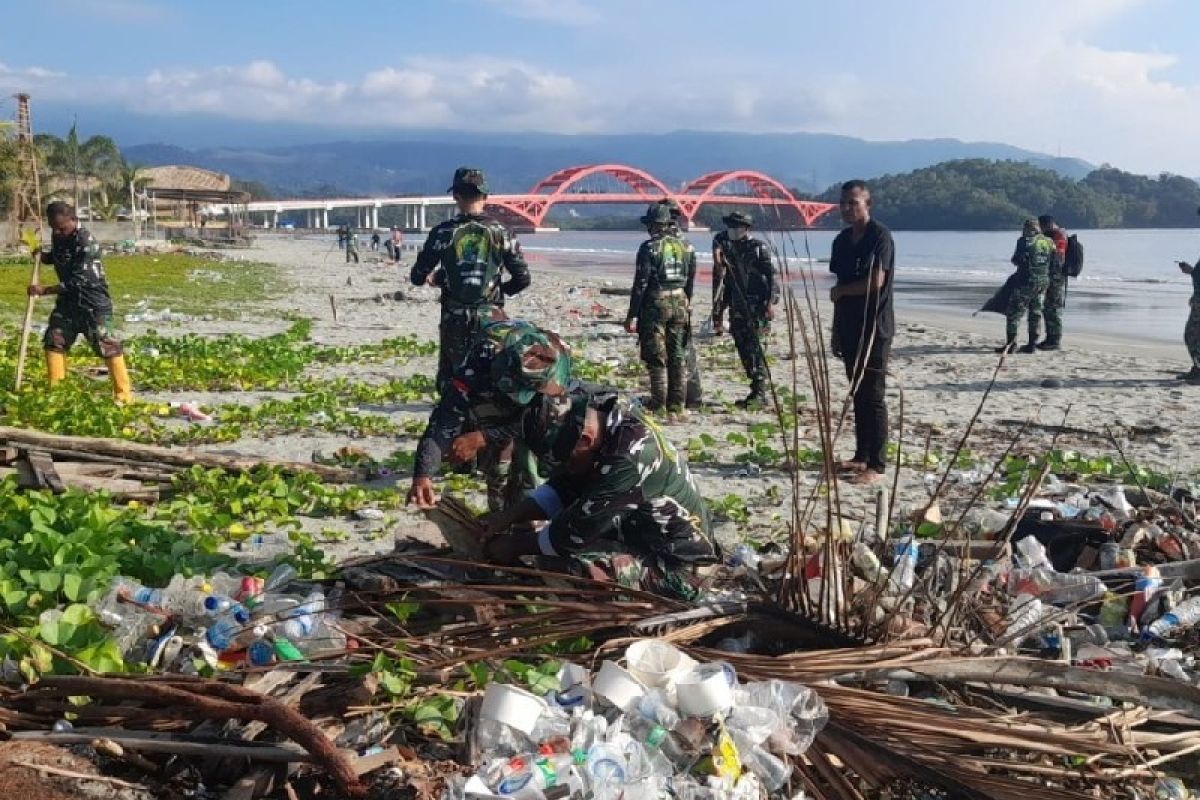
point(1130, 286)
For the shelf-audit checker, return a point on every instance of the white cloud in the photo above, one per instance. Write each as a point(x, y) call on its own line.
point(561, 12)
point(500, 94)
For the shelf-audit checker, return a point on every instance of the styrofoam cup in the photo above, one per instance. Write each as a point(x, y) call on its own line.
point(706, 690)
point(655, 663)
point(512, 706)
point(616, 685)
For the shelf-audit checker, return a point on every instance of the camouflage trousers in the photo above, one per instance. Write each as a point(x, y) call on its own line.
point(614, 562)
point(69, 323)
point(1191, 333)
point(510, 473)
point(750, 338)
point(456, 334)
point(1056, 298)
point(664, 330)
point(1027, 298)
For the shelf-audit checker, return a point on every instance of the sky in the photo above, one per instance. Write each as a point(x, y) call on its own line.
point(1109, 81)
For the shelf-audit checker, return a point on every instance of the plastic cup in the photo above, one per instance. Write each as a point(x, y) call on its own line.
point(512, 706)
point(655, 663)
point(616, 685)
point(706, 690)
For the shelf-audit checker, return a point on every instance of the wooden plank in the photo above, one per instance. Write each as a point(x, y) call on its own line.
point(44, 472)
point(183, 457)
point(9, 454)
point(171, 743)
point(365, 764)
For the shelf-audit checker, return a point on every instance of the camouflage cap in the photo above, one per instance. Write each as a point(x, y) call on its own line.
point(552, 425)
point(672, 206)
point(738, 219)
point(657, 214)
point(469, 178)
point(530, 361)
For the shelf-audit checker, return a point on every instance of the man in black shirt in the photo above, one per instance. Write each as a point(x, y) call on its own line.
point(863, 259)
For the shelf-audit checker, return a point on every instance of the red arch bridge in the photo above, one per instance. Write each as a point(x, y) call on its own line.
point(608, 184)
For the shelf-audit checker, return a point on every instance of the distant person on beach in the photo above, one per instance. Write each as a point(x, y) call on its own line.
point(660, 309)
point(695, 387)
point(744, 283)
point(467, 257)
point(351, 246)
point(863, 259)
point(1034, 258)
point(1191, 330)
point(1056, 288)
point(394, 244)
point(342, 234)
point(82, 305)
point(374, 241)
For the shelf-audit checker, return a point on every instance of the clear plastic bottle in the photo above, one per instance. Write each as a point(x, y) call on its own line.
point(1056, 588)
point(1023, 617)
point(125, 597)
point(655, 707)
point(864, 558)
point(606, 769)
point(540, 773)
point(1031, 554)
point(225, 630)
point(657, 740)
point(1183, 617)
point(904, 573)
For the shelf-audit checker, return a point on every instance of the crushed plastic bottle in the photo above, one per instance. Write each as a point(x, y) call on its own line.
point(1056, 588)
point(1183, 617)
point(1024, 617)
point(1031, 554)
point(867, 563)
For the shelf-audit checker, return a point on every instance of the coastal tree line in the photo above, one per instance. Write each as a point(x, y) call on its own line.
point(979, 194)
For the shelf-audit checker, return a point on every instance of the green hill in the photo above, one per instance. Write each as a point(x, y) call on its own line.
point(978, 194)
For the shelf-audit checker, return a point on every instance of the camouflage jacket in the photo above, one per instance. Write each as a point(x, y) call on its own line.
point(468, 269)
point(76, 260)
point(742, 273)
point(664, 263)
point(639, 492)
point(510, 363)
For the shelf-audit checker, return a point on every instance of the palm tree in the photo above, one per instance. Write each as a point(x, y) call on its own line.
point(130, 178)
point(97, 157)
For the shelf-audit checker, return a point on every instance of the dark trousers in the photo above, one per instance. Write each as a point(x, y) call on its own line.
point(870, 410)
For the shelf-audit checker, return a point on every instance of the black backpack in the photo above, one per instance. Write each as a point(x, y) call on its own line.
point(1073, 260)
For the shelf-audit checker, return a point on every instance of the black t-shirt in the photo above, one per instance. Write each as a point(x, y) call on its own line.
point(852, 262)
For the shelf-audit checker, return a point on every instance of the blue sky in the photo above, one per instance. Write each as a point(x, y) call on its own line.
point(1107, 80)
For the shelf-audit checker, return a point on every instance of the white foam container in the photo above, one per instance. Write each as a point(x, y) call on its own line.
point(656, 663)
point(616, 685)
point(512, 706)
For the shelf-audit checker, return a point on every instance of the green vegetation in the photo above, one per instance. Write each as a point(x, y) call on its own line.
point(978, 194)
point(182, 283)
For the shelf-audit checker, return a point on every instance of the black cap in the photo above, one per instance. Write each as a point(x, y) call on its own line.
point(738, 219)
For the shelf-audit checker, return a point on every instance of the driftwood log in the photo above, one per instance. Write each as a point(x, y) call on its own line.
point(219, 701)
point(180, 458)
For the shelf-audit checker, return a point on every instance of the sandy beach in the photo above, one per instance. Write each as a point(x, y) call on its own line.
point(941, 365)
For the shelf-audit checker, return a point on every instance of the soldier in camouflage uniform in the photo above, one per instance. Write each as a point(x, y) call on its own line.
point(509, 365)
point(695, 386)
point(1033, 258)
point(744, 283)
point(1056, 288)
point(83, 306)
point(660, 309)
point(466, 256)
point(1191, 330)
point(622, 506)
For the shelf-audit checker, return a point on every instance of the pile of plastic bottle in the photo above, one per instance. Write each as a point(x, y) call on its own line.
point(218, 620)
point(660, 722)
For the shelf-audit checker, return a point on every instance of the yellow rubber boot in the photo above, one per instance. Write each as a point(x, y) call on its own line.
point(122, 389)
point(56, 366)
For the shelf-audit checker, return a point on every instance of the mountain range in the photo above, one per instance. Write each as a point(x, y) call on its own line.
point(423, 162)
